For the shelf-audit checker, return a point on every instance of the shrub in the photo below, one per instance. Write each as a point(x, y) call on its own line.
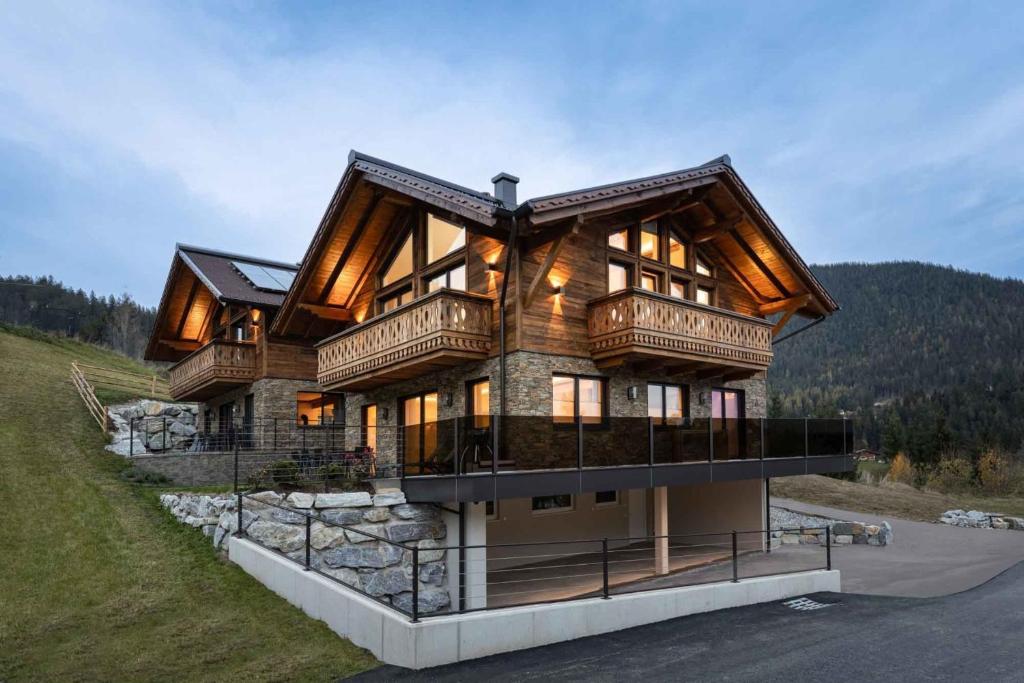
point(901, 471)
point(280, 472)
point(954, 473)
point(139, 476)
point(995, 472)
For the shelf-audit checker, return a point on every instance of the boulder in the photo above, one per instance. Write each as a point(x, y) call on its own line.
point(857, 528)
point(430, 600)
point(303, 501)
point(343, 516)
point(323, 537)
point(872, 529)
point(387, 582)
point(152, 408)
point(416, 513)
point(809, 539)
point(843, 539)
point(790, 539)
point(886, 534)
point(860, 539)
point(363, 556)
point(842, 529)
point(283, 537)
point(219, 535)
point(432, 573)
point(343, 574)
point(977, 516)
point(171, 410)
point(268, 497)
point(427, 552)
point(376, 515)
point(416, 531)
point(343, 500)
point(126, 448)
point(181, 429)
point(229, 520)
point(388, 497)
point(354, 536)
point(287, 516)
point(300, 556)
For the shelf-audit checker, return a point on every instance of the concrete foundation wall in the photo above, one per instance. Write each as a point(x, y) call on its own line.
point(391, 637)
point(718, 506)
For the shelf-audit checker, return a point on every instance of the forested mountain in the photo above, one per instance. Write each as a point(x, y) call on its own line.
point(926, 357)
point(118, 323)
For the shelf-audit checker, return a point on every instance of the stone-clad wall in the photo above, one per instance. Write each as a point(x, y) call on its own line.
point(529, 392)
point(338, 546)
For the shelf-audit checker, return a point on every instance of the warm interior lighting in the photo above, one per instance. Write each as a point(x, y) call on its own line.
point(360, 315)
point(256, 315)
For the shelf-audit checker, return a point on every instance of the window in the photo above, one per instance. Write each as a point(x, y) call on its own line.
point(704, 296)
point(418, 417)
point(443, 238)
point(401, 265)
point(370, 427)
point(395, 300)
point(573, 397)
point(315, 408)
point(666, 403)
point(455, 278)
point(478, 405)
point(649, 247)
point(703, 268)
point(676, 251)
point(559, 503)
point(678, 289)
point(618, 277)
point(602, 498)
point(619, 239)
point(491, 509)
point(649, 281)
point(727, 413)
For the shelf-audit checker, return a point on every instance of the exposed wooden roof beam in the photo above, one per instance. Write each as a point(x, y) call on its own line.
point(357, 233)
point(793, 303)
point(211, 311)
point(720, 228)
point(328, 312)
point(777, 327)
point(383, 248)
point(187, 307)
point(752, 255)
point(736, 273)
point(545, 267)
point(690, 199)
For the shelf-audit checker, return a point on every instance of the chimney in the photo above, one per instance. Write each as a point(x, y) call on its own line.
point(505, 189)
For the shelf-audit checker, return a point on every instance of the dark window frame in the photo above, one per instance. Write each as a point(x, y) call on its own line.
point(576, 419)
point(685, 390)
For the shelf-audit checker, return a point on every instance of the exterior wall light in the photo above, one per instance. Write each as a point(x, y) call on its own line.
point(632, 392)
point(559, 290)
point(493, 267)
point(447, 399)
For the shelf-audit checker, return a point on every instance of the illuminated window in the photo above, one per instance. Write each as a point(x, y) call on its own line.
point(619, 239)
point(704, 296)
point(443, 237)
point(418, 417)
point(649, 240)
point(455, 278)
point(315, 408)
point(573, 397)
point(618, 277)
point(678, 289)
point(649, 281)
point(676, 252)
point(666, 403)
point(370, 426)
point(401, 264)
point(703, 268)
point(479, 406)
point(395, 300)
point(559, 503)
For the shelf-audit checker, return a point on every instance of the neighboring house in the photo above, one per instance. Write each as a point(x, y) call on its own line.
point(213, 322)
point(603, 378)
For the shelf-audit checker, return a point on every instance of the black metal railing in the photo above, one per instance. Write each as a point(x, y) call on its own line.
point(495, 443)
point(496, 576)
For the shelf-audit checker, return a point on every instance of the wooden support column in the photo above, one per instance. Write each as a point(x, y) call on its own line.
point(661, 530)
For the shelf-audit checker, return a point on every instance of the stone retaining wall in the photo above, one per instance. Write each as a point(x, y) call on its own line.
point(798, 528)
point(339, 546)
point(981, 520)
point(159, 426)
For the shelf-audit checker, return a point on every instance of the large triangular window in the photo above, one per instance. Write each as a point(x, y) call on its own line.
point(401, 265)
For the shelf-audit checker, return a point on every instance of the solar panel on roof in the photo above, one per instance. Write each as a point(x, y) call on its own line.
point(260, 278)
point(283, 277)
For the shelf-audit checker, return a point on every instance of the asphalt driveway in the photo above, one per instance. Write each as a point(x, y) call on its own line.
point(974, 635)
point(926, 560)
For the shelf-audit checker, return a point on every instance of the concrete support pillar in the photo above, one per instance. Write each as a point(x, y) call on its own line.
point(661, 530)
point(474, 564)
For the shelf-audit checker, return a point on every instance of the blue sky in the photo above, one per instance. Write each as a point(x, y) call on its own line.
point(870, 131)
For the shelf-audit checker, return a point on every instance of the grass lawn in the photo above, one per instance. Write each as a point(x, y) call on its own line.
point(97, 582)
point(897, 500)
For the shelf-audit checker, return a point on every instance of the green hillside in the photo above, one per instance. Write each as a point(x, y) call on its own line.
point(98, 583)
point(927, 357)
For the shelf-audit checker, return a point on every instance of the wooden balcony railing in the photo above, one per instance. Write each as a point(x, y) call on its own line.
point(212, 368)
point(634, 324)
point(440, 329)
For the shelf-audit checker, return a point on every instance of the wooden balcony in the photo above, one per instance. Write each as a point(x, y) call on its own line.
point(213, 369)
point(441, 329)
point(634, 325)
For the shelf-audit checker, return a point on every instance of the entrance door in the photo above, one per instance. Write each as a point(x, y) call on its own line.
point(419, 429)
point(476, 447)
point(226, 425)
point(727, 412)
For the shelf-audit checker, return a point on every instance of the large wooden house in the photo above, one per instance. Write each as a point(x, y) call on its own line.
point(213, 322)
point(584, 364)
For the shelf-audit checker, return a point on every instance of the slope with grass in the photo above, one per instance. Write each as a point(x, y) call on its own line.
point(97, 582)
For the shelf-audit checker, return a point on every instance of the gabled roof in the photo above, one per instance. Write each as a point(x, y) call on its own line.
point(478, 206)
point(215, 270)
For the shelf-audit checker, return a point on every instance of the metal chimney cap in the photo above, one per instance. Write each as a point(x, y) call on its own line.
point(504, 176)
